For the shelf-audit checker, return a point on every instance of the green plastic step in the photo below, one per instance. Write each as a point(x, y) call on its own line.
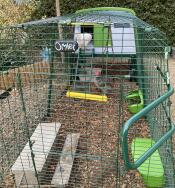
point(152, 169)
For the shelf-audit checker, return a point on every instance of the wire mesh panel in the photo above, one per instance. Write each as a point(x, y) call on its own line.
point(159, 118)
point(69, 86)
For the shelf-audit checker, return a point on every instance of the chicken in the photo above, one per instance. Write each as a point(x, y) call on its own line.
point(83, 39)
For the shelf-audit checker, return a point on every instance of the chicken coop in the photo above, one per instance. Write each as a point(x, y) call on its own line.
point(85, 102)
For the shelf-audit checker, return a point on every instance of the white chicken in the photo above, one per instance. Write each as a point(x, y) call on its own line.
point(83, 39)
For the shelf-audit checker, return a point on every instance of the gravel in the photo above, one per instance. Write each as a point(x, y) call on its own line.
point(13, 134)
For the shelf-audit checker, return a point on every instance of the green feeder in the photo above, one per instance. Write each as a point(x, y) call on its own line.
point(135, 101)
point(152, 169)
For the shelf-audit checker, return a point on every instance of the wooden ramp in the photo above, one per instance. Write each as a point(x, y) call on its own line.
point(42, 139)
point(64, 166)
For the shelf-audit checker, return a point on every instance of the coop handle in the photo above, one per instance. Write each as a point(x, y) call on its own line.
point(136, 117)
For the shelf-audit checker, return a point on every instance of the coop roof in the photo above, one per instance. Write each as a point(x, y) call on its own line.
point(108, 15)
point(105, 17)
point(114, 9)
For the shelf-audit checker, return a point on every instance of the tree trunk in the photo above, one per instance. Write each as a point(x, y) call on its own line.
point(58, 7)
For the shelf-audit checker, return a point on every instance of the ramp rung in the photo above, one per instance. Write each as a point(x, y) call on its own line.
point(42, 139)
point(64, 166)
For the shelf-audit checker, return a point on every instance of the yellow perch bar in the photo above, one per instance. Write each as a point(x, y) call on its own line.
point(87, 96)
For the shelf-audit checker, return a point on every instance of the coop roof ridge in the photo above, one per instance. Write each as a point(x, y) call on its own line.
point(123, 9)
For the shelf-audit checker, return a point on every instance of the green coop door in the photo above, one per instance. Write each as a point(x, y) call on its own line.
point(101, 36)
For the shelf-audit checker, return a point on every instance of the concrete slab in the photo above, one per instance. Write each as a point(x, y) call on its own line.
point(42, 139)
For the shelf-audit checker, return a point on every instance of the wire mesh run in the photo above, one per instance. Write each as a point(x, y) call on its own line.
point(68, 86)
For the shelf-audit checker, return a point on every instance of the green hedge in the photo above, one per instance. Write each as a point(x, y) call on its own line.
point(158, 13)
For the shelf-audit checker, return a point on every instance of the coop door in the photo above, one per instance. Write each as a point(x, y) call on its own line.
point(102, 37)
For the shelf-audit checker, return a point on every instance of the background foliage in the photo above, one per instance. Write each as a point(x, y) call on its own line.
point(160, 13)
point(11, 13)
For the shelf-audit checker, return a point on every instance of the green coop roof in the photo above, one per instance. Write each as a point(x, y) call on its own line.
point(107, 9)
